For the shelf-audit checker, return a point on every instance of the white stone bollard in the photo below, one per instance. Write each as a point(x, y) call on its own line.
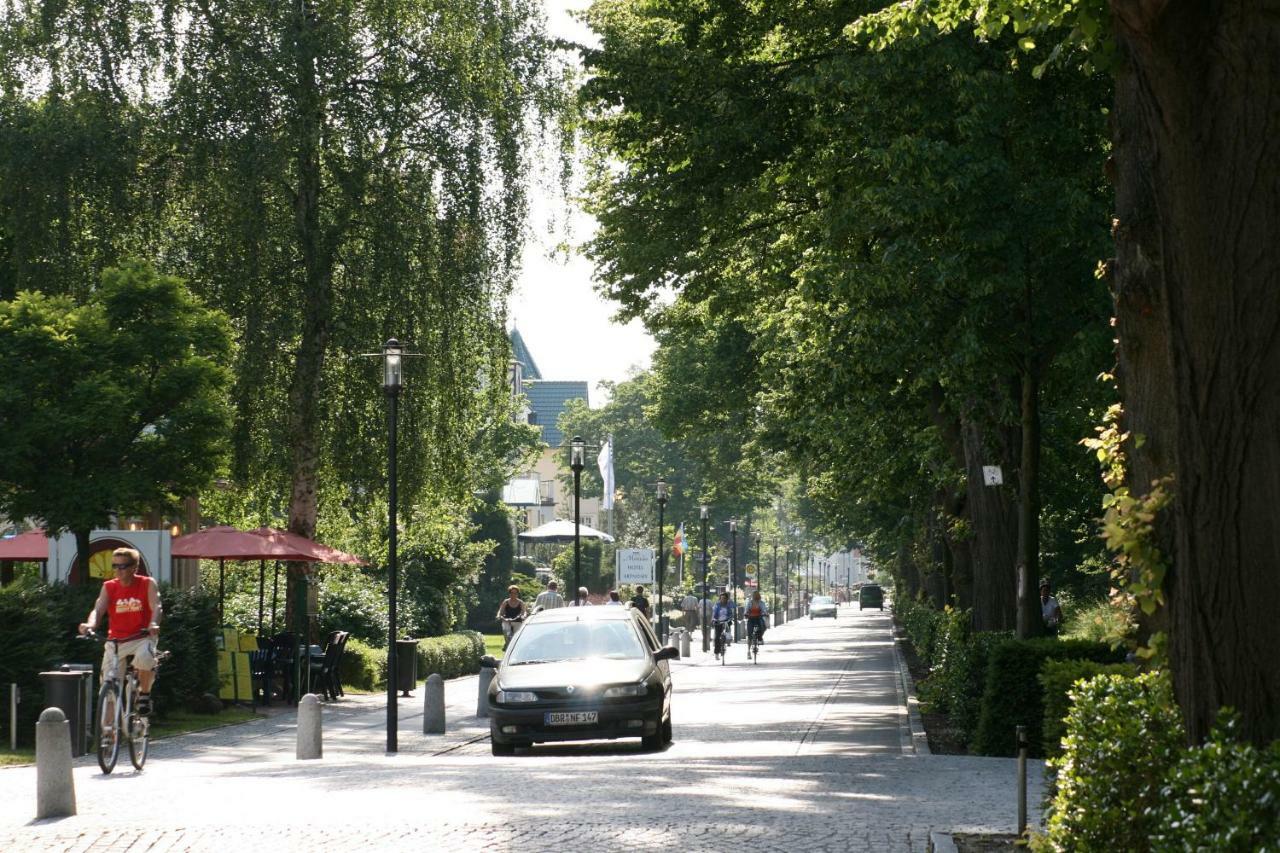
point(482, 697)
point(310, 736)
point(55, 787)
point(685, 648)
point(433, 705)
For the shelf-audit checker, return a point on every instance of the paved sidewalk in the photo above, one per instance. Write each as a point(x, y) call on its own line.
point(803, 751)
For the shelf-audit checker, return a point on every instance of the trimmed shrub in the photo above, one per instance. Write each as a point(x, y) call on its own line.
point(1222, 796)
point(363, 666)
point(189, 629)
point(921, 624)
point(1123, 736)
point(452, 655)
point(1012, 694)
point(1057, 677)
point(955, 684)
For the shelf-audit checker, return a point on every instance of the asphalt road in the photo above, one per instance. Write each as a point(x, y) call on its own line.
point(808, 749)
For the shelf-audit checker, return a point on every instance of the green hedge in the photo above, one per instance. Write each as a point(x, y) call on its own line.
point(1057, 678)
point(1012, 694)
point(956, 682)
point(364, 667)
point(1123, 736)
point(1223, 796)
point(921, 624)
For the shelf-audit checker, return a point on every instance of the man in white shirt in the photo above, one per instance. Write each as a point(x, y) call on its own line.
point(689, 605)
point(1050, 610)
point(549, 598)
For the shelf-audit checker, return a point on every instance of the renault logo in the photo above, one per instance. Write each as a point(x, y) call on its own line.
point(570, 688)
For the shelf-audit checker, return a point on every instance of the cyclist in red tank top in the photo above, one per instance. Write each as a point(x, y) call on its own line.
point(132, 604)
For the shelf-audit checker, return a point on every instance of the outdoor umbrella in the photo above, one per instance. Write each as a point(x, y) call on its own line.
point(31, 546)
point(561, 530)
point(266, 543)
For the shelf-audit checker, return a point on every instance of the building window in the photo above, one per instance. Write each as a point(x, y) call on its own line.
point(533, 418)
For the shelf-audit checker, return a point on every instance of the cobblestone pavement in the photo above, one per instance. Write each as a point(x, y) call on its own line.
point(808, 750)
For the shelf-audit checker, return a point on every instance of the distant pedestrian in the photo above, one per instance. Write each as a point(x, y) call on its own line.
point(689, 606)
point(549, 599)
point(639, 602)
point(615, 600)
point(1050, 610)
point(583, 600)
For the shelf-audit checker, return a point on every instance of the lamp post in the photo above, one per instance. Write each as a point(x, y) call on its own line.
point(392, 380)
point(733, 571)
point(662, 556)
point(774, 603)
point(759, 569)
point(577, 462)
point(702, 605)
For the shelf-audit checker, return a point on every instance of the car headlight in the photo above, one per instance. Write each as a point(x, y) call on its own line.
point(505, 697)
point(626, 690)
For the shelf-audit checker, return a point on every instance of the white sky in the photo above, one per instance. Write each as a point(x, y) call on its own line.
point(567, 326)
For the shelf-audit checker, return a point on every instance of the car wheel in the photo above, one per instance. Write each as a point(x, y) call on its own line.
point(502, 748)
point(667, 734)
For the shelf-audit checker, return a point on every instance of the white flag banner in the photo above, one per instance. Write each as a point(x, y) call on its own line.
point(605, 463)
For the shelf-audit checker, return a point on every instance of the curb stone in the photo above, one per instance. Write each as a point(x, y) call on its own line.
point(919, 740)
point(941, 842)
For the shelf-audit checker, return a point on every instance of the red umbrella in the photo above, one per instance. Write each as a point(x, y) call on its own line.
point(303, 548)
point(227, 543)
point(32, 546)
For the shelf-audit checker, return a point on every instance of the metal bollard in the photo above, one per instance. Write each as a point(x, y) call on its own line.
point(310, 736)
point(685, 644)
point(13, 717)
point(482, 696)
point(433, 705)
point(55, 786)
point(1021, 733)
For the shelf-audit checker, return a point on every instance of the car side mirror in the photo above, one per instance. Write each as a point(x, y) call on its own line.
point(489, 662)
point(667, 653)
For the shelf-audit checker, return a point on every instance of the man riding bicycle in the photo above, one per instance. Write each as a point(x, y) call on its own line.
point(721, 615)
point(757, 616)
point(132, 604)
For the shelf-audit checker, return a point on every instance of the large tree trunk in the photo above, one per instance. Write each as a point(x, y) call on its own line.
point(1198, 110)
point(993, 518)
point(306, 387)
point(959, 558)
point(1029, 618)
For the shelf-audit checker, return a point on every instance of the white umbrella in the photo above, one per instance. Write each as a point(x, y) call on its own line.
point(561, 530)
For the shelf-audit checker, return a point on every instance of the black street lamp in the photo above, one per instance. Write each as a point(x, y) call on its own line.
point(759, 568)
point(662, 556)
point(733, 572)
point(577, 463)
point(774, 603)
point(392, 381)
point(702, 605)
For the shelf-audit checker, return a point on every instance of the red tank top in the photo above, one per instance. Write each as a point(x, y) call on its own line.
point(128, 608)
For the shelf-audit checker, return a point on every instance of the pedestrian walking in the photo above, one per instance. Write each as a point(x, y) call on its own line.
point(639, 602)
point(689, 606)
point(549, 599)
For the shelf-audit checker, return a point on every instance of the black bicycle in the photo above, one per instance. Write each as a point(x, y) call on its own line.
point(753, 642)
point(118, 718)
point(722, 639)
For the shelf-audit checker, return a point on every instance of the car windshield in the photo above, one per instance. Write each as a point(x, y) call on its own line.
point(547, 642)
point(823, 599)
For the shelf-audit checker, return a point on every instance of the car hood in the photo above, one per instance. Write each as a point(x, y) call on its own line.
point(580, 673)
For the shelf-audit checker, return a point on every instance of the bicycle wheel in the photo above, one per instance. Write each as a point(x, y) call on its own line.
point(139, 738)
point(107, 730)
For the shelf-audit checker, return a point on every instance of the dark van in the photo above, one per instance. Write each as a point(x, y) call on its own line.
point(870, 596)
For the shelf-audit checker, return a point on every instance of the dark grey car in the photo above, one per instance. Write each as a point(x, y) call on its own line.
point(581, 673)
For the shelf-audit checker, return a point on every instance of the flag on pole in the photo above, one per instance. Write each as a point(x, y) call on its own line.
point(677, 544)
point(605, 463)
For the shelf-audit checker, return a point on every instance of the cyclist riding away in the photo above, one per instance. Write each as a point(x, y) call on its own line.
point(757, 616)
point(721, 614)
point(132, 604)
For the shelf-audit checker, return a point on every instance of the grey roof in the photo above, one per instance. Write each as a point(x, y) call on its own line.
point(520, 352)
point(547, 399)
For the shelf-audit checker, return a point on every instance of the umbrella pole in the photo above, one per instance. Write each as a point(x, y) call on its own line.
point(221, 587)
point(262, 588)
point(275, 596)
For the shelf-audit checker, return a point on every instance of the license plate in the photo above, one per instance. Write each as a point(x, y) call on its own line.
point(571, 718)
